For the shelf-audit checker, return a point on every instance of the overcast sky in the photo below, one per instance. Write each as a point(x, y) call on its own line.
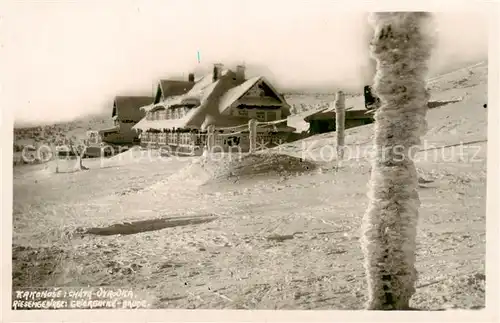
point(69, 58)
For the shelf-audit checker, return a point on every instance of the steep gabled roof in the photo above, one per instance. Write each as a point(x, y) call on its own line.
point(236, 92)
point(200, 84)
point(210, 99)
point(128, 107)
point(194, 95)
point(208, 102)
point(170, 88)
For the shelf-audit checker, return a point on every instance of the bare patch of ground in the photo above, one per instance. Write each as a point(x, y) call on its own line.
point(148, 225)
point(437, 104)
point(33, 265)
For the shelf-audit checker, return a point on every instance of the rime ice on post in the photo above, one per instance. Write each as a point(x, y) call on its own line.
point(402, 50)
point(193, 141)
point(340, 123)
point(210, 138)
point(252, 129)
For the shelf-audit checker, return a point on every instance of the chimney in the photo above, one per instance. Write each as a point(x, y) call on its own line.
point(191, 77)
point(217, 71)
point(240, 73)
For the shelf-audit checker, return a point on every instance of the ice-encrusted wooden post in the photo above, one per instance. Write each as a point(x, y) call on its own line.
point(210, 138)
point(193, 142)
point(340, 124)
point(178, 140)
point(57, 160)
point(402, 50)
point(78, 151)
point(252, 133)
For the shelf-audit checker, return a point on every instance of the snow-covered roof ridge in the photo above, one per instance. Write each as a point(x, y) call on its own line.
point(210, 97)
point(201, 89)
point(236, 92)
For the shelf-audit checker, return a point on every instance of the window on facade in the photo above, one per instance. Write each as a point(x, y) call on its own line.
point(169, 114)
point(163, 115)
point(243, 112)
point(271, 115)
point(261, 115)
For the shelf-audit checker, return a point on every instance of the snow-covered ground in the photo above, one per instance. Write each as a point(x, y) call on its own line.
point(283, 236)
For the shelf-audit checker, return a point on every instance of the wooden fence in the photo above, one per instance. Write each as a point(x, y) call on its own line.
point(250, 137)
